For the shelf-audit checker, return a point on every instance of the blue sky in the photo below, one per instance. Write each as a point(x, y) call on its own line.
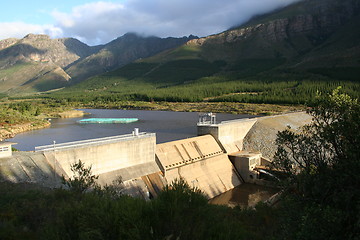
point(98, 22)
point(36, 11)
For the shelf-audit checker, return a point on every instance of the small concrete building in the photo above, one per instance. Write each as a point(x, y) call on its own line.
point(5, 149)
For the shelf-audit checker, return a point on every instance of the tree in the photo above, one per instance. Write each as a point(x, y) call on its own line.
point(82, 180)
point(322, 164)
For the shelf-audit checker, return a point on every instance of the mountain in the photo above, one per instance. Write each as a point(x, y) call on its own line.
point(301, 34)
point(285, 52)
point(120, 52)
point(38, 63)
point(310, 44)
point(308, 34)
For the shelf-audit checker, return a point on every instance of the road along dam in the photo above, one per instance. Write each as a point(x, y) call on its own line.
point(223, 156)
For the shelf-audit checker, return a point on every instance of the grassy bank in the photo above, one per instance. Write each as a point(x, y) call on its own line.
point(18, 116)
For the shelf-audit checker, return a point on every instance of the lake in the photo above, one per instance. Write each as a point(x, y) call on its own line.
point(167, 125)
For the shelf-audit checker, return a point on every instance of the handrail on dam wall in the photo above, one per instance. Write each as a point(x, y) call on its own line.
point(94, 141)
point(237, 120)
point(225, 122)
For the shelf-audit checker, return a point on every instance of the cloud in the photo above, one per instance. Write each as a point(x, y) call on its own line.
point(20, 29)
point(100, 22)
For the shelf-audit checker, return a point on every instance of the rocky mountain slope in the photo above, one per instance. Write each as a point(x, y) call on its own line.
point(120, 52)
point(282, 57)
point(38, 63)
point(301, 33)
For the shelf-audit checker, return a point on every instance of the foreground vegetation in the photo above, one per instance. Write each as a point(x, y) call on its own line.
point(179, 211)
point(322, 164)
point(319, 177)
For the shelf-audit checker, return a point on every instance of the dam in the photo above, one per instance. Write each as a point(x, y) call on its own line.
point(223, 155)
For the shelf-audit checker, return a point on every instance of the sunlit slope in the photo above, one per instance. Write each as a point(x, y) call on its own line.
point(36, 62)
point(283, 57)
point(120, 52)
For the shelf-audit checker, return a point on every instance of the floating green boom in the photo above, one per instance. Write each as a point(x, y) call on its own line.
point(108, 120)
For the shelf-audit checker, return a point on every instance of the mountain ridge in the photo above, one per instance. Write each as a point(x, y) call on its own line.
point(121, 51)
point(293, 52)
point(38, 63)
point(308, 39)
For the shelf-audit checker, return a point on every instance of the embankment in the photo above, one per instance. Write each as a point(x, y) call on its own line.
point(262, 136)
point(10, 131)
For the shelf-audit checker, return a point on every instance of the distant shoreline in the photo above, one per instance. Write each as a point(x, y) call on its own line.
point(11, 131)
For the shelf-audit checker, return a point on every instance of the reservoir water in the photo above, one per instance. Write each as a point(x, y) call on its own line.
point(167, 125)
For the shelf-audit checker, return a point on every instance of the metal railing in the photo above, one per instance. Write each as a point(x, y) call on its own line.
point(95, 141)
point(237, 120)
point(225, 122)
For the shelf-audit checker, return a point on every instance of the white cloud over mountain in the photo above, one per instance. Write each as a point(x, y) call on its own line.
point(101, 22)
point(20, 29)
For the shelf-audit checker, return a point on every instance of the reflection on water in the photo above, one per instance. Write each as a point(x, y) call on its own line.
point(244, 195)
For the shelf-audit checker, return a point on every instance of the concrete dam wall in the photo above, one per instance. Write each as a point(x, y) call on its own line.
point(145, 168)
point(104, 154)
point(230, 134)
point(126, 156)
point(28, 167)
